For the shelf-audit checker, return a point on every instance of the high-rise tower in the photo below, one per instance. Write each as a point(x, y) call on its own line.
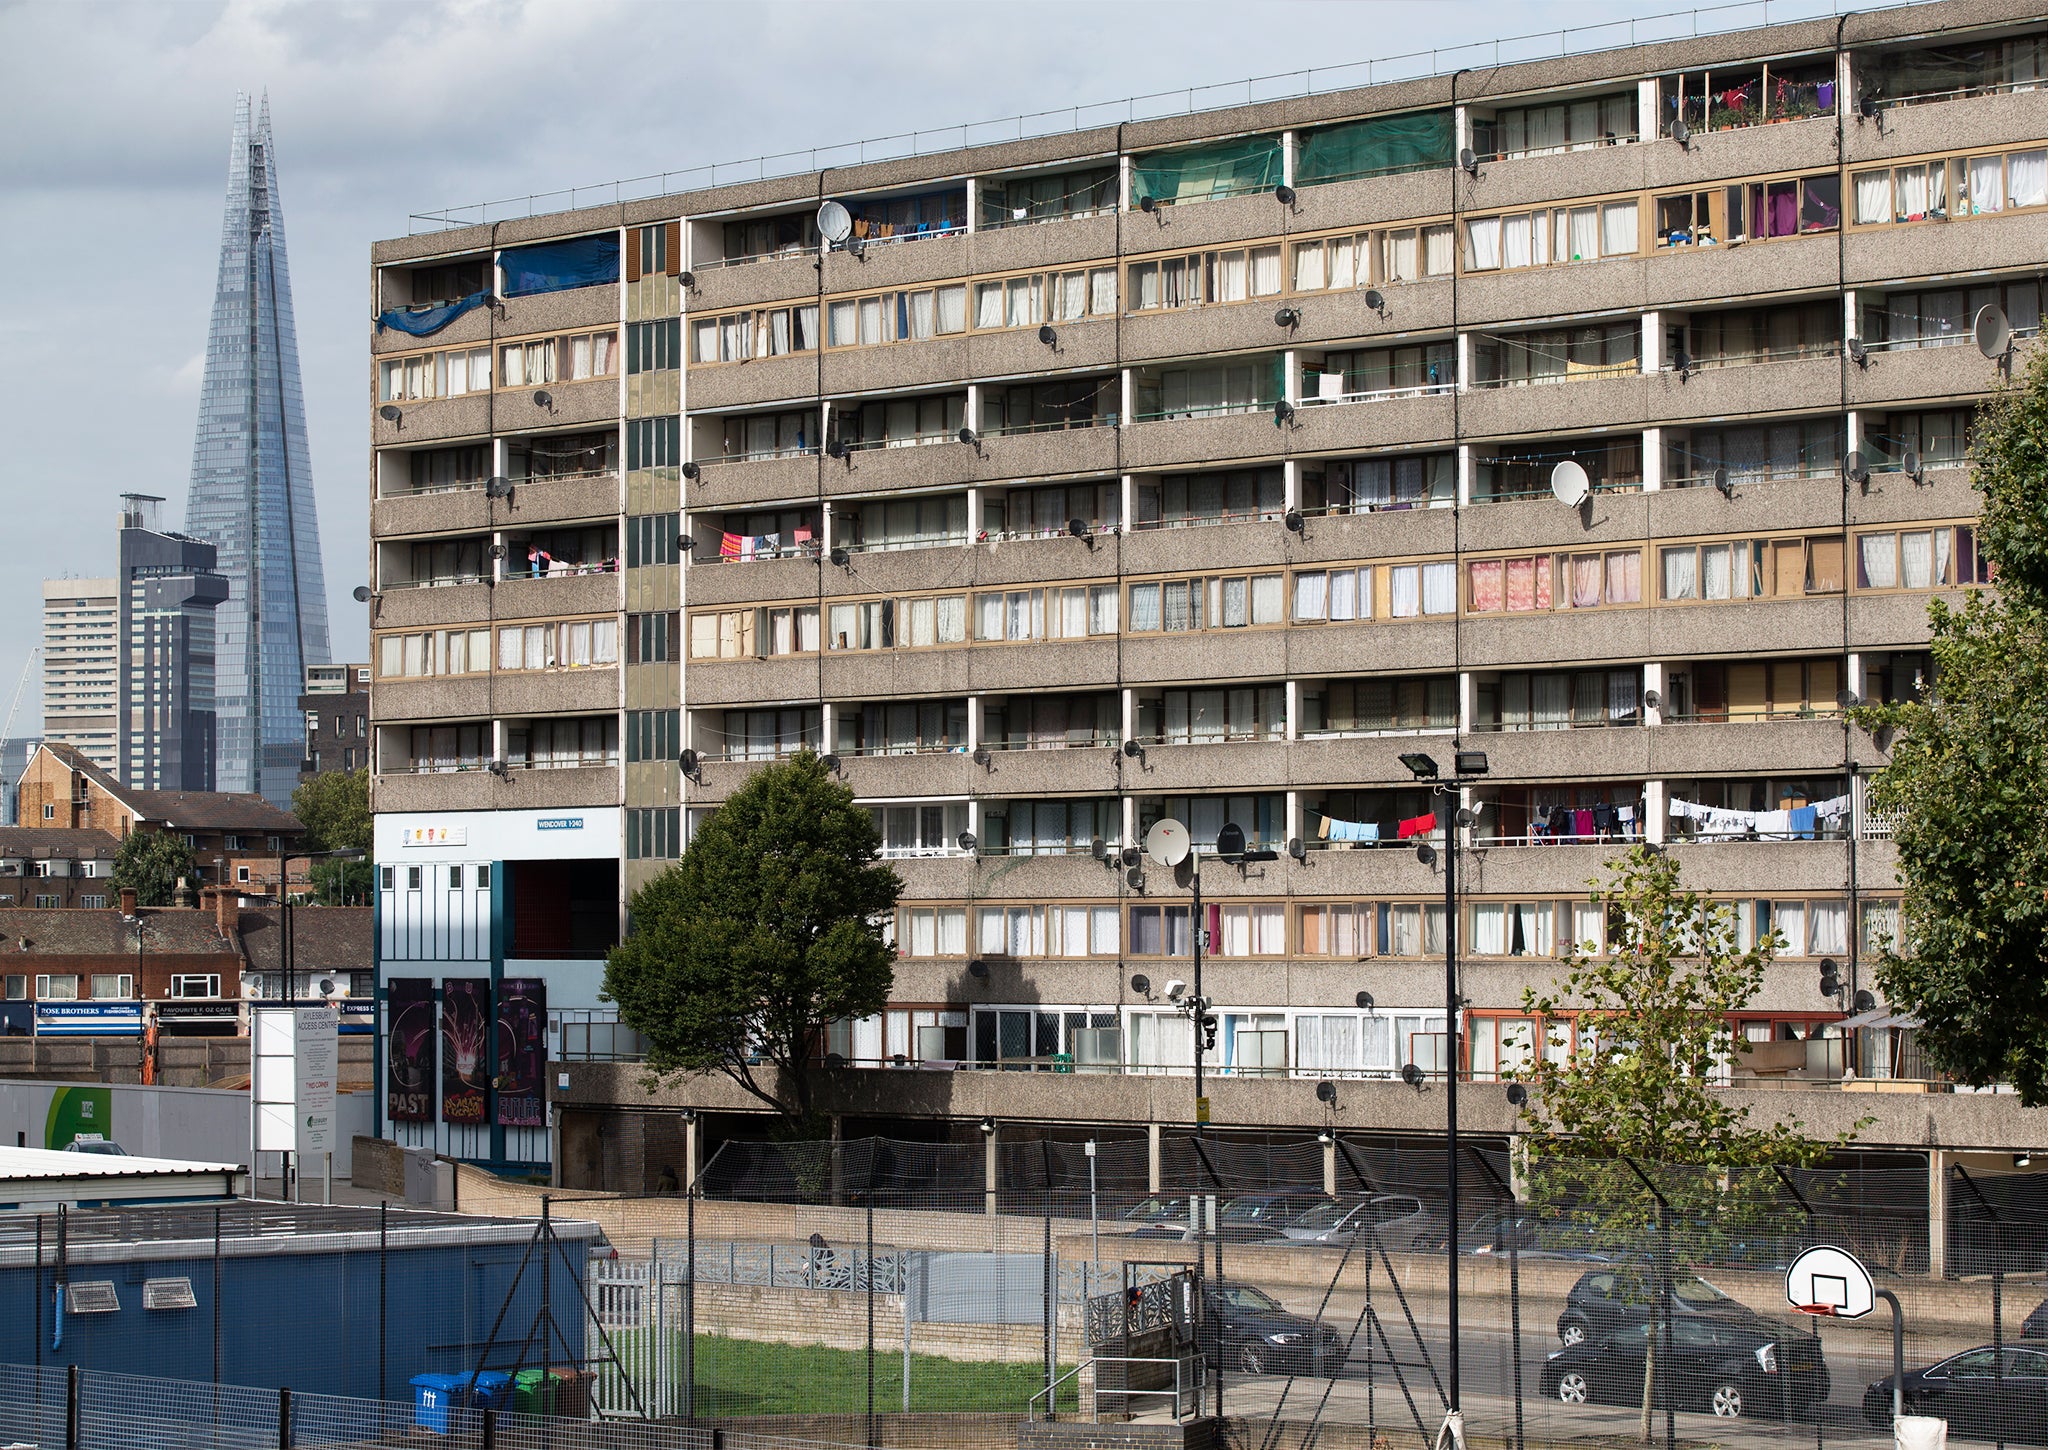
point(252, 484)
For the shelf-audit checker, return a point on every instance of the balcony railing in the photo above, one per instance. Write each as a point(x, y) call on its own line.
point(562, 569)
point(1688, 364)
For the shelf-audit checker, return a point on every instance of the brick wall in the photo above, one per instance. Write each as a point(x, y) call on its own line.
point(377, 1165)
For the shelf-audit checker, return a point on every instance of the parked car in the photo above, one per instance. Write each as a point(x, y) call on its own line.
point(1158, 1209)
point(1398, 1218)
point(2036, 1325)
point(1725, 1366)
point(93, 1143)
point(1247, 1330)
point(1976, 1393)
point(1247, 1217)
point(1607, 1300)
point(1536, 1238)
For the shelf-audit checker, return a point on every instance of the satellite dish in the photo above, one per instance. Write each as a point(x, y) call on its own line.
point(1148, 204)
point(1681, 133)
point(1293, 520)
point(688, 761)
point(1375, 299)
point(1099, 849)
point(1283, 412)
point(362, 594)
point(390, 413)
point(1078, 528)
point(1858, 353)
point(830, 762)
point(840, 557)
point(1141, 983)
point(1284, 195)
point(1855, 467)
point(835, 222)
point(1412, 1075)
point(1468, 160)
point(692, 471)
point(1297, 848)
point(1287, 317)
point(1363, 1001)
point(1167, 842)
point(1130, 856)
point(1993, 334)
point(1911, 464)
point(1569, 484)
point(1135, 878)
point(1046, 334)
point(1326, 1091)
point(981, 755)
point(977, 968)
point(1426, 854)
point(1721, 482)
point(966, 842)
point(1652, 700)
point(1230, 841)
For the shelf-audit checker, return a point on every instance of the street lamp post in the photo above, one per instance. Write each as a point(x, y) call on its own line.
point(287, 954)
point(1467, 765)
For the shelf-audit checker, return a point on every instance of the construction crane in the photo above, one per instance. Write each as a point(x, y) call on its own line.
point(7, 730)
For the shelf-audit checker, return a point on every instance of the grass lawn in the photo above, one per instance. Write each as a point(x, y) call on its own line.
point(747, 1377)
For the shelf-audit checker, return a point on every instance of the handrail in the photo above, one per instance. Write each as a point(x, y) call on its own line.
point(1052, 1390)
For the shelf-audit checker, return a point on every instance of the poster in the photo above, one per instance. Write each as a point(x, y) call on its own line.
point(409, 1084)
point(522, 1051)
point(465, 1034)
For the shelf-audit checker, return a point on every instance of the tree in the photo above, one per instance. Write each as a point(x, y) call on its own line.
point(765, 932)
point(334, 807)
point(1636, 1037)
point(151, 863)
point(1968, 783)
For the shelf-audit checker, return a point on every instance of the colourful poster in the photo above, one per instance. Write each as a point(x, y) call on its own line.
point(409, 1069)
point(522, 1052)
point(79, 1112)
point(465, 1036)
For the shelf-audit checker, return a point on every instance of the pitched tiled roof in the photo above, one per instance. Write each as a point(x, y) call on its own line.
point(35, 841)
point(327, 938)
point(82, 932)
point(190, 810)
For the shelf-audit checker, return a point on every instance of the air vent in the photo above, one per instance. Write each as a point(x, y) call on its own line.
point(94, 1296)
point(168, 1294)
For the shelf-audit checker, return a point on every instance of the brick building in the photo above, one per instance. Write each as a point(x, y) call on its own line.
point(54, 866)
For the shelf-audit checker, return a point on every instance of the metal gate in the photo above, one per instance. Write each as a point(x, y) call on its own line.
point(639, 1304)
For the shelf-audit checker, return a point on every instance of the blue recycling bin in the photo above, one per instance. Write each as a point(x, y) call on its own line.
point(436, 1395)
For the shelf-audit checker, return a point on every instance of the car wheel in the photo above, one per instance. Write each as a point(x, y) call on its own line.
point(1572, 1332)
point(1571, 1388)
point(1250, 1359)
point(1726, 1401)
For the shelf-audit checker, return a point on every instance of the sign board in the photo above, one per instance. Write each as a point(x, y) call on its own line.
point(1201, 1110)
point(559, 823)
point(88, 1019)
point(1828, 1280)
point(293, 1060)
point(434, 836)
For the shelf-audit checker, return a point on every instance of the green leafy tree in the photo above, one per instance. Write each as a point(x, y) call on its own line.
point(334, 807)
point(767, 930)
point(1637, 1036)
point(151, 863)
point(1968, 781)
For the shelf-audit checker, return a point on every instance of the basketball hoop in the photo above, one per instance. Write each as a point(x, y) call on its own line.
point(1827, 1310)
point(1829, 1281)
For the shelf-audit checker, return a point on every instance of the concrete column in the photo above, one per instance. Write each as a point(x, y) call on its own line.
point(973, 411)
point(1287, 157)
point(1853, 681)
point(828, 726)
point(1464, 344)
point(1852, 440)
point(990, 1178)
point(1127, 494)
point(1461, 123)
point(973, 823)
point(1653, 460)
point(1293, 709)
point(974, 513)
point(693, 1150)
point(1151, 1157)
point(1657, 807)
point(1465, 466)
point(974, 722)
point(1290, 484)
point(973, 203)
point(1852, 315)
point(1128, 390)
point(1653, 679)
point(1653, 341)
point(1294, 831)
point(1467, 689)
point(825, 540)
point(1937, 1213)
point(1130, 804)
point(1330, 1165)
point(1123, 184)
point(1647, 117)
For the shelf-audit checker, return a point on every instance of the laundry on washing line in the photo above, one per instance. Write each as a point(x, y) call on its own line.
point(1798, 823)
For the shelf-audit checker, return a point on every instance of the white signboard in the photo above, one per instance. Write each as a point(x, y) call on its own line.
point(1828, 1280)
point(435, 835)
point(317, 1063)
point(293, 1061)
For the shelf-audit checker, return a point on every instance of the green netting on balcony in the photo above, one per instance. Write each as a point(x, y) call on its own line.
point(1377, 147)
point(1203, 173)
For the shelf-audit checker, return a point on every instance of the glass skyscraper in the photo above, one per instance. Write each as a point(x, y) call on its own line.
point(252, 484)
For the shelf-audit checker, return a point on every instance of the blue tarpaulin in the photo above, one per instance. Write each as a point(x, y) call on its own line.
point(425, 322)
point(558, 266)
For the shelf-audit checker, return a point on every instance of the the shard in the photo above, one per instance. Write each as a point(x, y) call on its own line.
point(252, 484)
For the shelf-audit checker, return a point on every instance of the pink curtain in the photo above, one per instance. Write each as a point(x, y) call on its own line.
point(1585, 581)
point(1625, 578)
point(1486, 586)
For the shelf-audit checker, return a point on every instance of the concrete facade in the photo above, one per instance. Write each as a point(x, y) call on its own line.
point(1298, 552)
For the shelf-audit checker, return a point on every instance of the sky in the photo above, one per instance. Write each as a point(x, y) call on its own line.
point(118, 118)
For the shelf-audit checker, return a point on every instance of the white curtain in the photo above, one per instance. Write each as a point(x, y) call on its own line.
point(1941, 553)
point(1344, 593)
point(1436, 242)
point(1230, 277)
point(1265, 271)
point(1681, 579)
point(1102, 291)
point(2027, 178)
point(1514, 241)
point(1439, 588)
point(1309, 270)
point(1311, 596)
point(1402, 261)
point(1916, 560)
point(1489, 937)
point(988, 305)
point(1584, 235)
point(1874, 196)
point(1986, 192)
point(1714, 569)
point(1830, 929)
point(1880, 560)
point(1407, 587)
point(1789, 917)
point(1618, 229)
point(1482, 244)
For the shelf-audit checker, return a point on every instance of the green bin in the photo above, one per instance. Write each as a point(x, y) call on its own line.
point(533, 1392)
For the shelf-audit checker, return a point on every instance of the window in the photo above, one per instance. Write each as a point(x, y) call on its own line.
point(1414, 590)
point(874, 727)
point(1764, 453)
point(1605, 350)
point(1050, 721)
point(653, 833)
point(1008, 201)
point(1244, 385)
point(16, 986)
point(1332, 595)
point(1947, 72)
point(654, 346)
point(1263, 817)
point(653, 250)
point(1756, 334)
point(1751, 568)
point(771, 734)
point(1057, 404)
point(1203, 173)
point(1190, 499)
point(1382, 372)
point(1043, 297)
point(453, 373)
point(916, 316)
point(653, 735)
point(440, 470)
point(787, 434)
point(1045, 512)
point(1050, 827)
point(441, 749)
point(757, 238)
point(1558, 700)
point(1384, 706)
point(769, 534)
point(747, 633)
point(654, 442)
point(653, 639)
point(571, 358)
point(1193, 717)
point(1941, 437)
point(1576, 125)
point(922, 828)
point(900, 422)
point(1505, 472)
point(193, 984)
point(49, 813)
point(112, 986)
point(574, 645)
point(650, 541)
point(1750, 211)
point(1584, 233)
point(57, 987)
point(1377, 146)
point(761, 332)
point(1216, 602)
point(564, 744)
point(1942, 317)
point(1409, 253)
point(931, 931)
point(1807, 928)
point(1240, 274)
point(241, 873)
point(1941, 558)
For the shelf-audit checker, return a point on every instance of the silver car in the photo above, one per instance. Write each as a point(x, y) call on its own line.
point(1399, 1218)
